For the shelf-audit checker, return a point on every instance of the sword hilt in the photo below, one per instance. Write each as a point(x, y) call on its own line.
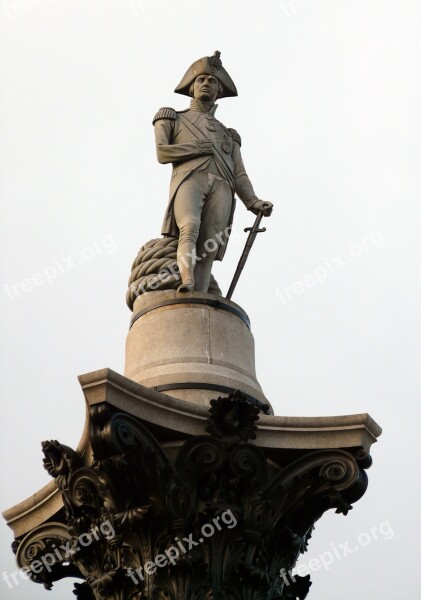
point(255, 227)
point(262, 230)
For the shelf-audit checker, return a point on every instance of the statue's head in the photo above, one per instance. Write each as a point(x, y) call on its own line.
point(206, 87)
point(210, 68)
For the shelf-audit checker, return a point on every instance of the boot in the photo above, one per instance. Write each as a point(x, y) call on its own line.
point(186, 262)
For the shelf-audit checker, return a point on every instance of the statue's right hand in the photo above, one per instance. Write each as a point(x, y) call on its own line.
point(205, 146)
point(263, 207)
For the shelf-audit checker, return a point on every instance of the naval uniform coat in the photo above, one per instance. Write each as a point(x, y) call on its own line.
point(181, 140)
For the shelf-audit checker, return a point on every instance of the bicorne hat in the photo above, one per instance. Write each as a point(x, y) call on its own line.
point(213, 66)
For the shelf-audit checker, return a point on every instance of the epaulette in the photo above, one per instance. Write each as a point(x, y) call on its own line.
point(235, 136)
point(165, 113)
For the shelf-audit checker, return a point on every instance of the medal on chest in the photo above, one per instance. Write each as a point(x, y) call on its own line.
point(211, 123)
point(227, 144)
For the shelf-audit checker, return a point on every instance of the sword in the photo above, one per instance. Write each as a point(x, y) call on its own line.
point(249, 243)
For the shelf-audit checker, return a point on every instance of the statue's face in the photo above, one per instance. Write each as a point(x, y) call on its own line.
point(205, 88)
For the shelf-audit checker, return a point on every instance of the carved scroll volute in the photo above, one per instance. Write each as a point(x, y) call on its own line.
point(309, 486)
point(91, 491)
point(198, 459)
point(249, 463)
point(148, 469)
point(42, 553)
point(124, 432)
point(337, 467)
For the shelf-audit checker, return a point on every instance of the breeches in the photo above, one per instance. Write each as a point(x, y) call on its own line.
point(202, 207)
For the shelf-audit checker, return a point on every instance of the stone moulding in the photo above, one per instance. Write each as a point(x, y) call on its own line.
point(159, 468)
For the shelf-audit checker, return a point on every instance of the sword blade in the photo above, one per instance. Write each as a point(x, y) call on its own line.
point(243, 258)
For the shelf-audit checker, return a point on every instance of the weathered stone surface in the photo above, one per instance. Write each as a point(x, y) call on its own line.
point(155, 268)
point(191, 346)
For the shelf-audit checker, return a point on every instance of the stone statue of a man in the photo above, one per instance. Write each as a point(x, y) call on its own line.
point(207, 171)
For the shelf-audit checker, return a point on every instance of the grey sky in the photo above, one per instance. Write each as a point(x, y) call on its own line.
point(329, 113)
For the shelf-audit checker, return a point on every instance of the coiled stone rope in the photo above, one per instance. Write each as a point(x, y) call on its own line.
point(155, 268)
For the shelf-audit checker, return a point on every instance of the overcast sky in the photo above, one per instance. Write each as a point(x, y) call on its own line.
point(329, 114)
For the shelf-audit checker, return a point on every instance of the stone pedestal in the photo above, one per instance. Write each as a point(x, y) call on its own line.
point(192, 346)
point(184, 486)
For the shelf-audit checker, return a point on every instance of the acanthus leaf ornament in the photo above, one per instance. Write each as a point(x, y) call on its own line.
point(261, 513)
